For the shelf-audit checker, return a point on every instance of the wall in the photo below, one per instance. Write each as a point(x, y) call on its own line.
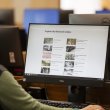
point(45, 3)
point(6, 4)
point(106, 4)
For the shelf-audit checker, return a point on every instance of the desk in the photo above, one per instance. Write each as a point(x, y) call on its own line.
point(99, 95)
point(54, 92)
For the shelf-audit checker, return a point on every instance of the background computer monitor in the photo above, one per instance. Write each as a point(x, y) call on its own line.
point(10, 49)
point(6, 17)
point(23, 38)
point(64, 16)
point(69, 54)
point(100, 19)
point(40, 16)
point(47, 16)
point(103, 12)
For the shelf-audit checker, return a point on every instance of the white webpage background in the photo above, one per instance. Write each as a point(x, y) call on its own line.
point(90, 52)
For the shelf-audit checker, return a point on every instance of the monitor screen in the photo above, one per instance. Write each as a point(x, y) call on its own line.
point(103, 12)
point(40, 16)
point(97, 19)
point(6, 17)
point(69, 54)
point(10, 48)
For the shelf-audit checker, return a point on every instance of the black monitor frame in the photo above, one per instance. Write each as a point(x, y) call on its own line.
point(64, 80)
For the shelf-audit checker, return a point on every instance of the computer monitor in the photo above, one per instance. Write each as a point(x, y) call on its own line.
point(102, 11)
point(96, 19)
point(40, 16)
point(66, 54)
point(6, 17)
point(10, 49)
point(23, 38)
point(64, 16)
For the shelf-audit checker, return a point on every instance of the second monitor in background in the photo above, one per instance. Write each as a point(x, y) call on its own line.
point(10, 49)
point(47, 16)
point(101, 19)
point(6, 17)
point(103, 12)
point(50, 16)
point(64, 16)
point(23, 38)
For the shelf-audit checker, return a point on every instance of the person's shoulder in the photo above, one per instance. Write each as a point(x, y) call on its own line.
point(2, 68)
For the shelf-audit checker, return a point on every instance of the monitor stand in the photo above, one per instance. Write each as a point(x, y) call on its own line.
point(77, 94)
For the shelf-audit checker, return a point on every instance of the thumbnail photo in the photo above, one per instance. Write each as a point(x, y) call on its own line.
point(47, 48)
point(71, 41)
point(69, 56)
point(70, 48)
point(69, 64)
point(45, 70)
point(46, 55)
point(68, 71)
point(48, 40)
point(45, 62)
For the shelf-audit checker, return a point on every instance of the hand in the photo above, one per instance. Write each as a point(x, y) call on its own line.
point(93, 107)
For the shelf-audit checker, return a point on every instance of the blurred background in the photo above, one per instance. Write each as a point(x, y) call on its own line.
point(79, 6)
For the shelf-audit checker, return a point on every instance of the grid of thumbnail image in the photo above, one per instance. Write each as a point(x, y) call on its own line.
point(46, 57)
point(69, 56)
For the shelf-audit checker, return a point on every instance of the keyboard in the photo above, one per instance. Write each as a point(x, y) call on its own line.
point(69, 104)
